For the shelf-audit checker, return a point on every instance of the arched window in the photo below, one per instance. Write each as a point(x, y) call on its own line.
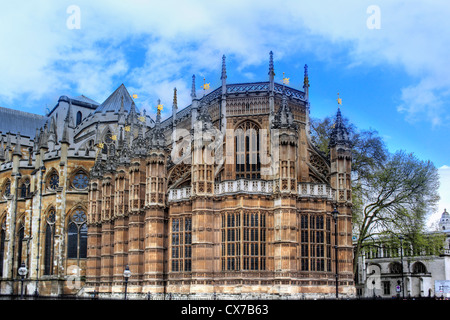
point(53, 181)
point(25, 188)
point(7, 188)
point(247, 146)
point(107, 142)
point(20, 236)
point(395, 267)
point(77, 235)
point(2, 243)
point(80, 180)
point(79, 117)
point(419, 267)
point(49, 242)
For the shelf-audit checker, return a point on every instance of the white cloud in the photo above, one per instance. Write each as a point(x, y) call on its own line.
point(41, 57)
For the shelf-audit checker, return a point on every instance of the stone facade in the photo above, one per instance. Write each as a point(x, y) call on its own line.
point(227, 197)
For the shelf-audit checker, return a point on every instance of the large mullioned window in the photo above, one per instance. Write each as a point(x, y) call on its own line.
point(315, 243)
point(248, 163)
point(243, 241)
point(77, 235)
point(181, 244)
point(49, 242)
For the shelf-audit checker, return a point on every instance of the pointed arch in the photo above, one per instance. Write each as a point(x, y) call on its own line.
point(247, 150)
point(52, 180)
point(20, 236)
point(2, 241)
point(24, 187)
point(178, 175)
point(79, 118)
point(6, 188)
point(49, 240)
point(79, 178)
point(77, 233)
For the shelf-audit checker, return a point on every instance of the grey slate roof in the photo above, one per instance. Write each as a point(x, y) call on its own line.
point(113, 102)
point(15, 121)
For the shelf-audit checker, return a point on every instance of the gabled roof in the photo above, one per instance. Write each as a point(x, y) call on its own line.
point(113, 102)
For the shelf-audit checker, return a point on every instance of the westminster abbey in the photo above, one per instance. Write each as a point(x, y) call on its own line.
point(227, 197)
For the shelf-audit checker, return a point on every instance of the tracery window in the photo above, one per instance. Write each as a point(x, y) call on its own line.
point(243, 241)
point(20, 237)
point(2, 243)
point(108, 142)
point(315, 242)
point(49, 242)
point(231, 241)
point(80, 180)
point(25, 188)
point(254, 241)
point(181, 244)
point(53, 181)
point(247, 145)
point(7, 188)
point(77, 235)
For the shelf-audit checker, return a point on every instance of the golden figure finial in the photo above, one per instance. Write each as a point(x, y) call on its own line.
point(285, 80)
point(159, 107)
point(205, 85)
point(339, 100)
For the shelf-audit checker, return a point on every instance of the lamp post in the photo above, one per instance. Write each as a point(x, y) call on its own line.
point(126, 275)
point(401, 259)
point(22, 272)
point(335, 214)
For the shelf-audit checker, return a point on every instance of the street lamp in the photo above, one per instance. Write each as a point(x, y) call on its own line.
point(22, 272)
point(126, 275)
point(335, 214)
point(401, 259)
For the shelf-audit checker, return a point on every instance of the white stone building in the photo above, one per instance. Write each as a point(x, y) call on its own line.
point(426, 271)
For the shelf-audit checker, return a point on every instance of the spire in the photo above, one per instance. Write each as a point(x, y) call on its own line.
point(175, 102)
point(271, 74)
point(271, 69)
point(174, 107)
point(65, 134)
point(224, 69)
point(158, 113)
point(306, 83)
point(339, 134)
point(284, 117)
point(193, 95)
point(224, 76)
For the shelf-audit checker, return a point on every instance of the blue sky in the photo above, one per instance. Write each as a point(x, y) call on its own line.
point(393, 78)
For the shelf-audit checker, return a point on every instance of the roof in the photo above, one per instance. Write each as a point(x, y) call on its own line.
point(114, 101)
point(83, 98)
point(15, 121)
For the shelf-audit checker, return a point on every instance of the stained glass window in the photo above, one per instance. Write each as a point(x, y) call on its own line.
point(25, 188)
point(2, 244)
point(54, 181)
point(49, 242)
point(77, 236)
point(7, 189)
point(81, 180)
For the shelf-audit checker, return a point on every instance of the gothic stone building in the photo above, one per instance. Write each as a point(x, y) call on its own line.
point(226, 197)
